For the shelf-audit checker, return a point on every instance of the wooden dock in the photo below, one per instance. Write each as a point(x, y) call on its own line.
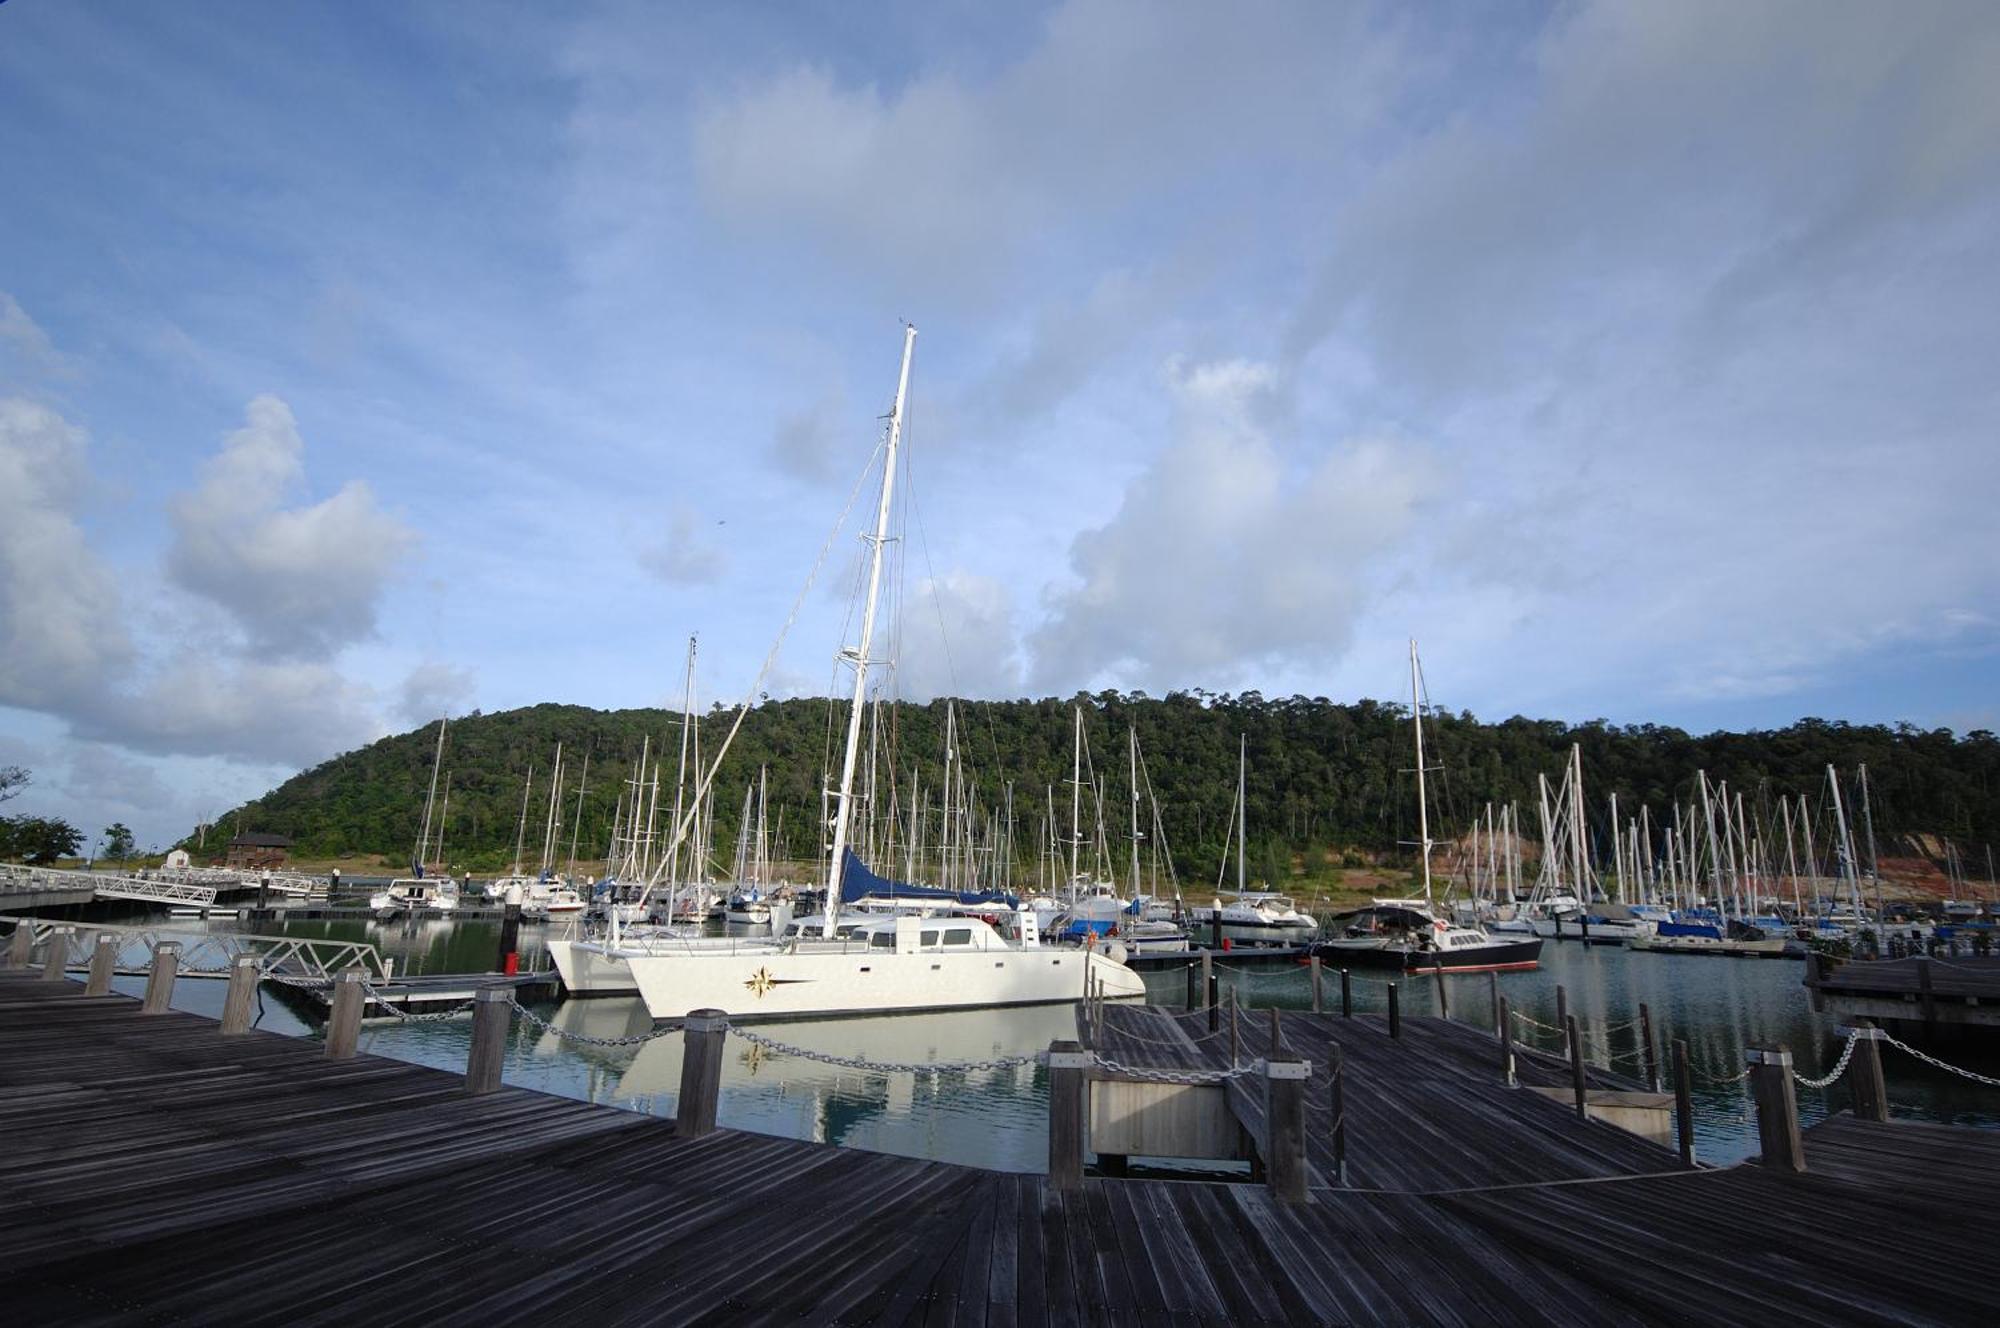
point(1921, 996)
point(156, 1171)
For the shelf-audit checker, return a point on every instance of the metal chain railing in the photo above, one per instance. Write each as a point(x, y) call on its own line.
point(887, 1067)
point(570, 1035)
point(404, 1016)
point(1839, 1067)
point(1935, 1063)
point(1159, 1076)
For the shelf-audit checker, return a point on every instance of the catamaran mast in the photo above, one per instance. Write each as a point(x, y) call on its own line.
point(1423, 810)
point(858, 657)
point(424, 839)
point(1242, 806)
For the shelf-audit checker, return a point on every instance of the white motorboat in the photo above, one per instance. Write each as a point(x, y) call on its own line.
point(413, 895)
point(1258, 917)
point(902, 962)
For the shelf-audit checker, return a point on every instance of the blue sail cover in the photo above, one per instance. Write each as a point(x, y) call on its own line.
point(856, 882)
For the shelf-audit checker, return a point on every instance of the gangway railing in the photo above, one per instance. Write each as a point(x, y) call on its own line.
point(105, 885)
point(209, 954)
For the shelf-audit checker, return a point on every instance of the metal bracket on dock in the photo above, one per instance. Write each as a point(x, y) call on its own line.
point(1071, 1060)
point(1768, 1056)
point(1288, 1069)
point(1869, 1034)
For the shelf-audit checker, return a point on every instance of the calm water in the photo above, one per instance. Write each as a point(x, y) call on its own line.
point(998, 1118)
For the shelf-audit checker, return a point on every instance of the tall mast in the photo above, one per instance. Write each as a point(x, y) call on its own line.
point(576, 827)
point(1075, 800)
point(858, 657)
point(424, 839)
point(1874, 863)
point(1132, 743)
point(1423, 810)
point(1242, 805)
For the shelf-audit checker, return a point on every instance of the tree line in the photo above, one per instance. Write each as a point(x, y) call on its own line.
point(1321, 776)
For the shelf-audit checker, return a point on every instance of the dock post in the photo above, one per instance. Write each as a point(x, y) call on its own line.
point(57, 959)
point(1683, 1103)
point(1646, 1036)
point(1576, 1079)
point(1277, 1035)
point(702, 1036)
point(1069, 1081)
point(1346, 995)
point(103, 963)
point(1506, 1042)
point(1777, 1108)
point(1337, 1102)
point(343, 1020)
point(242, 991)
point(160, 981)
point(508, 961)
point(1235, 1037)
point(20, 951)
point(1870, 1094)
point(1395, 1013)
point(1208, 985)
point(1193, 996)
point(1562, 1006)
point(492, 1012)
point(1319, 990)
point(1285, 1127)
point(1816, 974)
point(1924, 993)
point(1444, 1001)
point(1493, 1000)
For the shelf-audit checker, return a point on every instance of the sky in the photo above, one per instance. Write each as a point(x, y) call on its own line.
point(366, 362)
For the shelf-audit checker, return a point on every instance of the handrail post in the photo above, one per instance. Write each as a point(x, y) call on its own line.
point(343, 1020)
point(492, 1012)
point(1683, 1103)
point(1493, 997)
point(1576, 1079)
point(1336, 1069)
point(160, 980)
point(1507, 1041)
point(1285, 1128)
point(1069, 1085)
point(1444, 1001)
point(1864, 1075)
point(1646, 1035)
point(702, 1036)
point(1208, 985)
point(1346, 995)
point(103, 963)
point(56, 961)
point(1777, 1108)
point(1395, 1013)
point(1193, 985)
point(1562, 1004)
point(1319, 991)
point(21, 950)
point(243, 976)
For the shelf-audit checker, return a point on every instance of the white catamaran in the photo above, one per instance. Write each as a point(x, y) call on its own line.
point(900, 962)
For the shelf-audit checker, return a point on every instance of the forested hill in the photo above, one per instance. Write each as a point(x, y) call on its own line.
point(1321, 775)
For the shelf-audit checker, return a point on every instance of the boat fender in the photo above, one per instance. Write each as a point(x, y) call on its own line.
point(1115, 952)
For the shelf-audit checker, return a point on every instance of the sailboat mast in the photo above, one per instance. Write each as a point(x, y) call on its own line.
point(1242, 805)
point(1423, 809)
point(836, 864)
point(1132, 742)
point(1075, 801)
point(424, 839)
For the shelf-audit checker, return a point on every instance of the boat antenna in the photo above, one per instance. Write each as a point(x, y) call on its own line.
point(858, 657)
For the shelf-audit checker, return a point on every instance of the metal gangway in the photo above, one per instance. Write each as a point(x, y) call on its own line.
point(301, 960)
point(106, 885)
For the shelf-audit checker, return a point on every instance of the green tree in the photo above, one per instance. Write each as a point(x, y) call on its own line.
point(118, 841)
point(37, 840)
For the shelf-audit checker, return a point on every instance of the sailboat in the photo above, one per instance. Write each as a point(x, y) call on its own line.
point(1414, 935)
point(1252, 917)
point(900, 962)
point(418, 893)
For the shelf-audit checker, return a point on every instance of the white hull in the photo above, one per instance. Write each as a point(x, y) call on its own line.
point(588, 971)
point(857, 980)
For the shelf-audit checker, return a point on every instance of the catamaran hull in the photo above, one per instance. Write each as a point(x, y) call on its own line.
point(1606, 932)
point(781, 984)
point(588, 971)
point(1499, 957)
point(1252, 933)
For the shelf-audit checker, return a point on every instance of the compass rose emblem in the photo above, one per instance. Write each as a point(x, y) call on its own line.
point(761, 982)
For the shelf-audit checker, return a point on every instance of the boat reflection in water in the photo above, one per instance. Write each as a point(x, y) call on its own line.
point(997, 1117)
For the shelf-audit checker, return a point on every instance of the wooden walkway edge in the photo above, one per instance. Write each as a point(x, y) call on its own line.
point(155, 1171)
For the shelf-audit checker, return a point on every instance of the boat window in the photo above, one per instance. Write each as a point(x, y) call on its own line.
point(882, 940)
point(958, 936)
point(928, 938)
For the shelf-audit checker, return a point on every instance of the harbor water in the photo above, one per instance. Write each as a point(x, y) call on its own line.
point(996, 1117)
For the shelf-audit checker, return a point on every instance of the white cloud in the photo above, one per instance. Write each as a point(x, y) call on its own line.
point(435, 688)
point(300, 581)
point(686, 555)
point(61, 632)
point(1229, 553)
point(958, 638)
point(286, 712)
point(26, 354)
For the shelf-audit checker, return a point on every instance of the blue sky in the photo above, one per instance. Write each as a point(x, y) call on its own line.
point(360, 362)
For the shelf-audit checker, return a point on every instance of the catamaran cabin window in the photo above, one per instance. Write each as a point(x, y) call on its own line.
point(882, 940)
point(928, 938)
point(958, 936)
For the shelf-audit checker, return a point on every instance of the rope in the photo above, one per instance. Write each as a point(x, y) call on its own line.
point(1536, 1023)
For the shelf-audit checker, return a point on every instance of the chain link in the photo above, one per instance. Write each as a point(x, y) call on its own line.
point(1536, 1023)
point(1938, 1064)
point(406, 1017)
point(570, 1035)
point(886, 1067)
point(1159, 1076)
point(1839, 1067)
